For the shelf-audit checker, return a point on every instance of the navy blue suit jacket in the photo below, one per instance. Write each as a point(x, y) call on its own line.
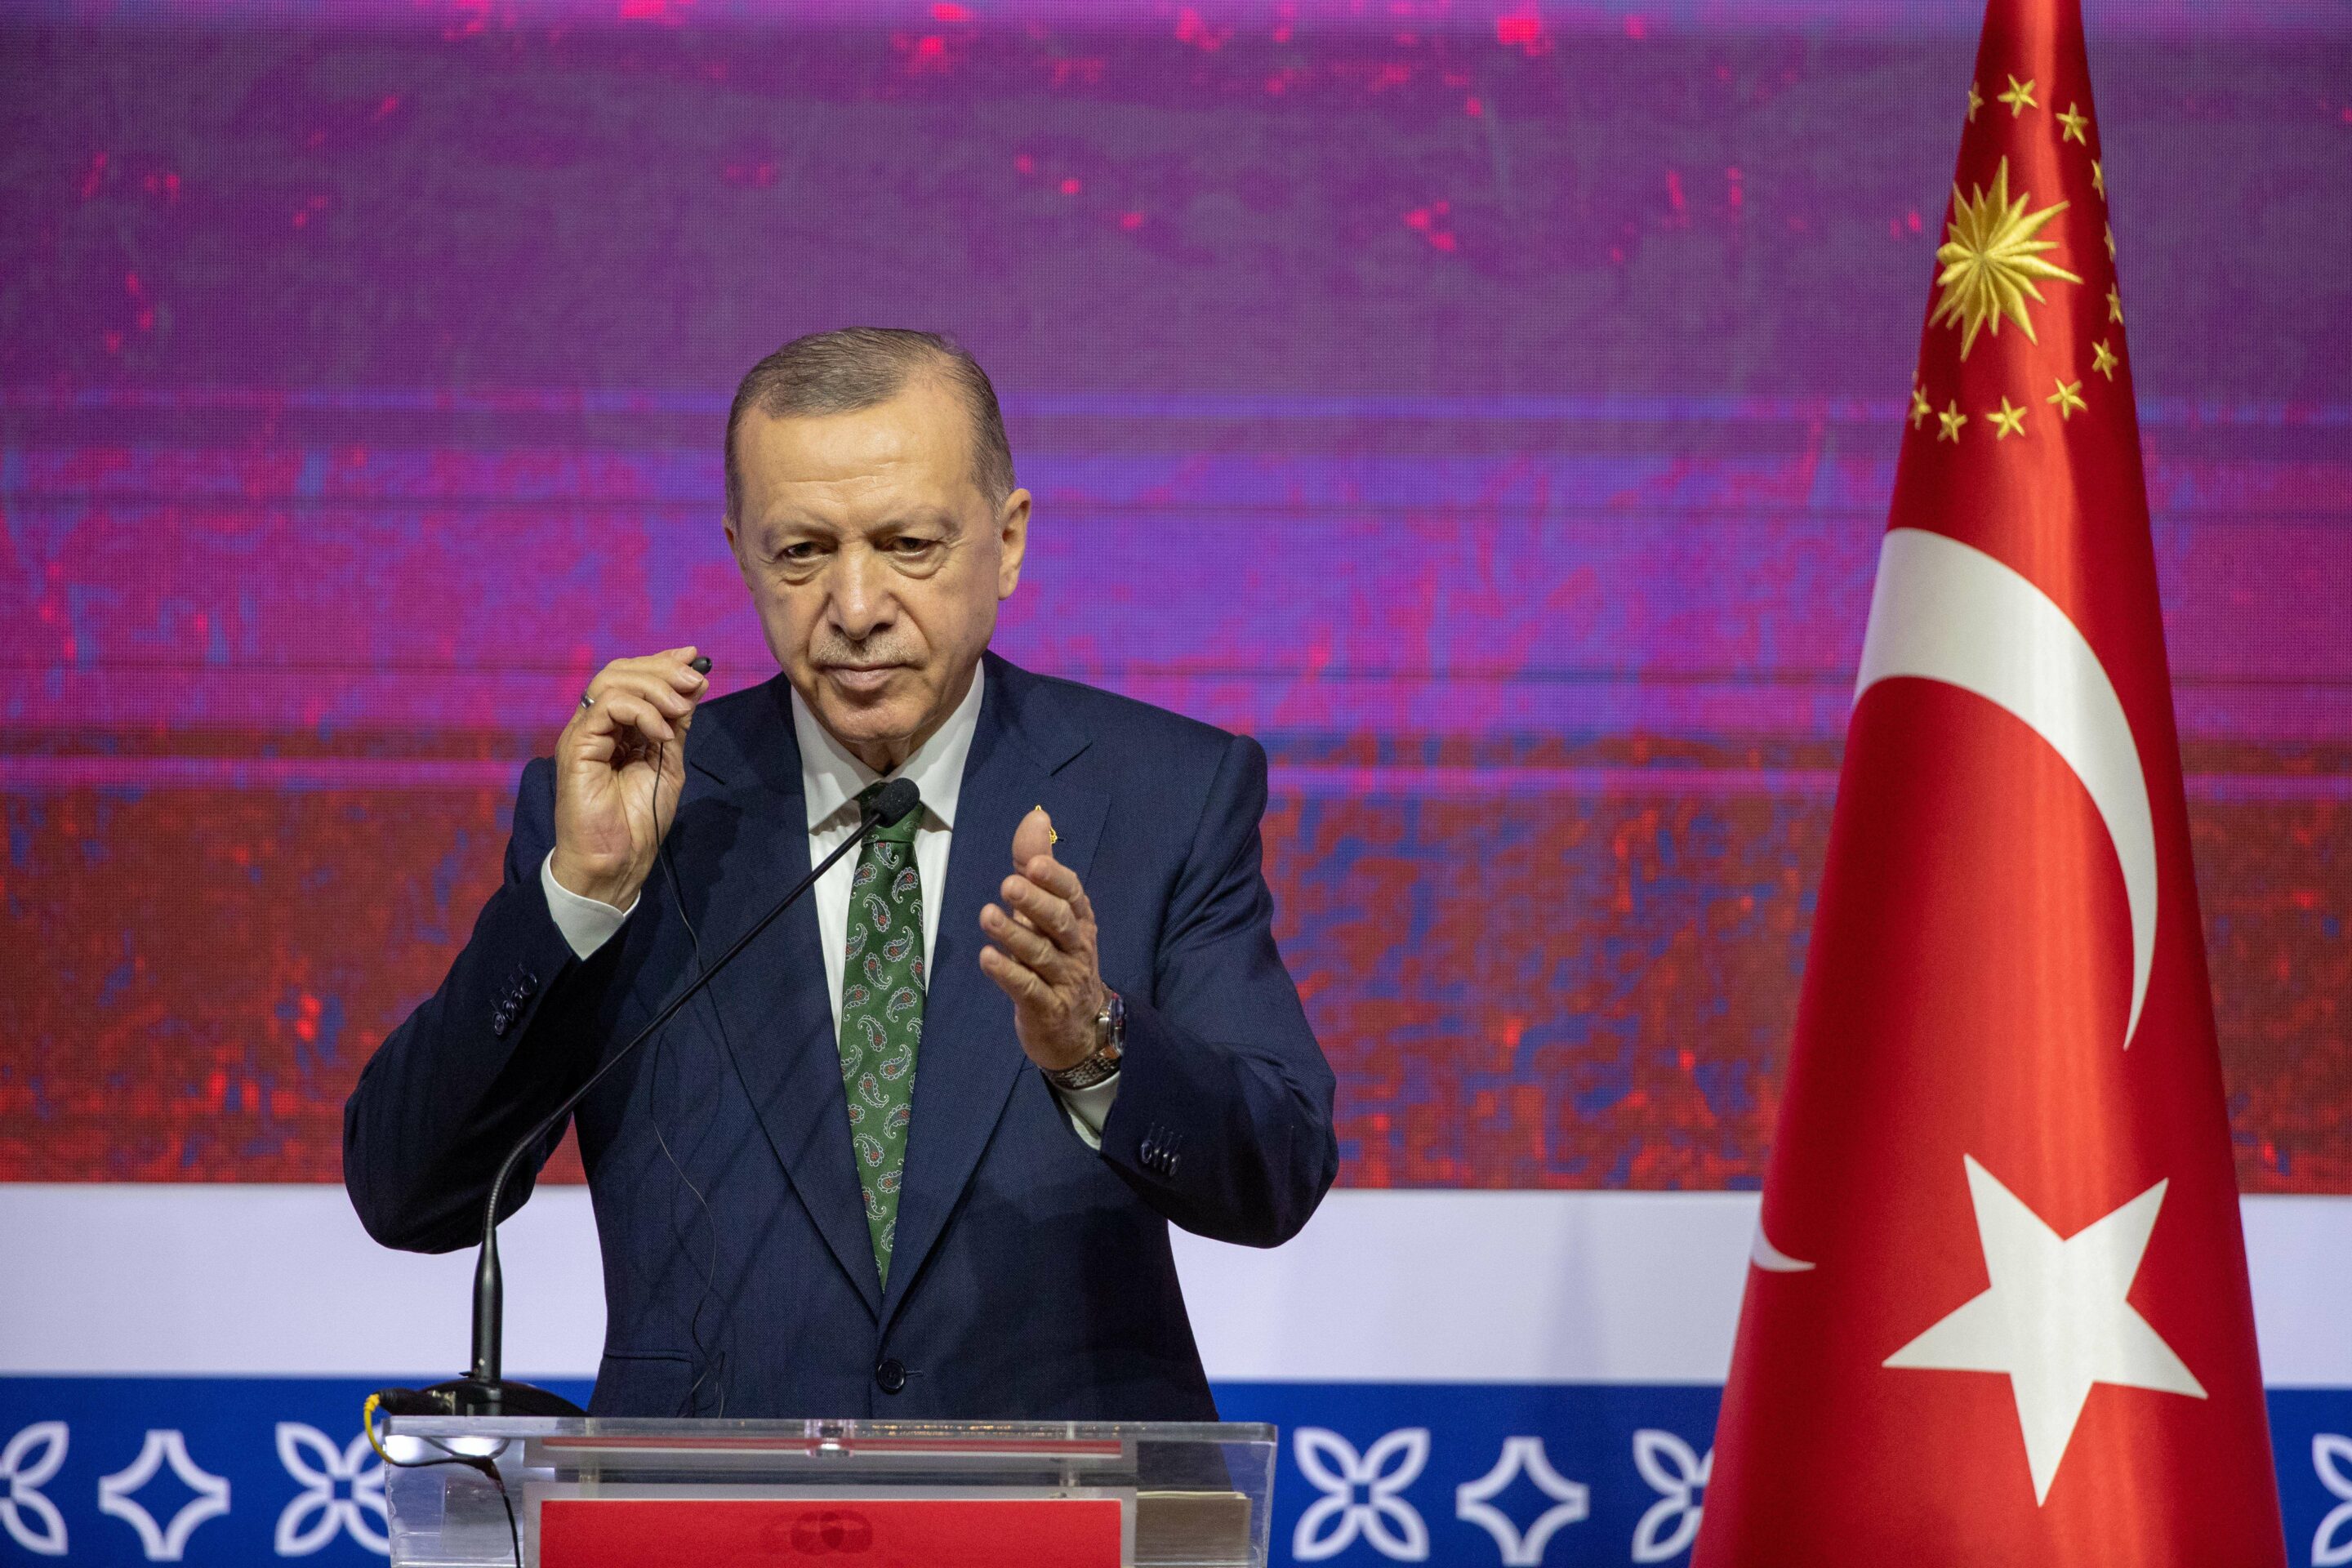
point(1032, 1275)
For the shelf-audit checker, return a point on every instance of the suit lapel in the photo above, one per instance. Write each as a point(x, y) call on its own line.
point(779, 1033)
point(970, 1058)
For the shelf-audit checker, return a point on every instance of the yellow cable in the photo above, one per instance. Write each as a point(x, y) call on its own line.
point(367, 1419)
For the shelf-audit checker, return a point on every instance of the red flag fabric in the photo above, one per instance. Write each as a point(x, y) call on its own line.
point(1998, 1311)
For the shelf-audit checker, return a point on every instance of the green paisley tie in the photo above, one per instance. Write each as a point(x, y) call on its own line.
point(882, 1017)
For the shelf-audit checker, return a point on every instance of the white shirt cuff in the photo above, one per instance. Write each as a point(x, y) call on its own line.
point(1088, 1108)
point(586, 923)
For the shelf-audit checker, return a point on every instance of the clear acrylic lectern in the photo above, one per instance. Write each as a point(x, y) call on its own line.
point(593, 1492)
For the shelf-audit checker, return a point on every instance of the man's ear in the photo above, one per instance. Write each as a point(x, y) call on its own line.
point(1013, 542)
point(735, 544)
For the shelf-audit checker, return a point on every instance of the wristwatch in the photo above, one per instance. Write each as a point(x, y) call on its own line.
point(1110, 1041)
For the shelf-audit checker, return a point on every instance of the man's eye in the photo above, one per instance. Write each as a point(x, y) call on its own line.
point(906, 546)
point(802, 552)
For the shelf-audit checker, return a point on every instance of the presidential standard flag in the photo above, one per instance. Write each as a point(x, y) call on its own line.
point(1998, 1311)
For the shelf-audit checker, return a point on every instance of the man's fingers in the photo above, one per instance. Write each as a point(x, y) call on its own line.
point(667, 680)
point(1049, 914)
point(669, 659)
point(1016, 979)
point(625, 709)
point(1082, 908)
point(1063, 883)
point(1017, 939)
point(618, 711)
point(648, 686)
point(1054, 877)
point(634, 712)
point(675, 668)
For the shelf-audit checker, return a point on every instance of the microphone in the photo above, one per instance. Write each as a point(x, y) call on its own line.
point(483, 1392)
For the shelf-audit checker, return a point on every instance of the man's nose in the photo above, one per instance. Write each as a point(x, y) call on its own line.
point(861, 602)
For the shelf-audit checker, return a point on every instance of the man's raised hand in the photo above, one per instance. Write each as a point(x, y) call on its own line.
point(1042, 954)
point(621, 757)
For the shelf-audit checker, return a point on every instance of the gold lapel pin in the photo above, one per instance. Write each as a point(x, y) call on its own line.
point(1052, 836)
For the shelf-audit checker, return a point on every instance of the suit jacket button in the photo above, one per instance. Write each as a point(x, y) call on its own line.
point(891, 1375)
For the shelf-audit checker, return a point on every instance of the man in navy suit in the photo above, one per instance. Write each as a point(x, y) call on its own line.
point(915, 1154)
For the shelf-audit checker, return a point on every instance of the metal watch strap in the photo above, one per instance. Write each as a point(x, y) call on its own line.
point(1110, 1040)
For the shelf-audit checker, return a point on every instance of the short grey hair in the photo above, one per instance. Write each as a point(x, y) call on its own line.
point(844, 370)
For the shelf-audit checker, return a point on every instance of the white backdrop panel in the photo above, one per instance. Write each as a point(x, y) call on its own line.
point(1384, 1286)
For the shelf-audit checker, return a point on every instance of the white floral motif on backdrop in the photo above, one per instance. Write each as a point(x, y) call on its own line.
point(1331, 1524)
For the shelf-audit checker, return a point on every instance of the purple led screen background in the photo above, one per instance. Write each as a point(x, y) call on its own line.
point(1493, 410)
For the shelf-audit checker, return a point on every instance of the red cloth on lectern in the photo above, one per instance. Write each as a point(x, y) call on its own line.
point(1998, 1312)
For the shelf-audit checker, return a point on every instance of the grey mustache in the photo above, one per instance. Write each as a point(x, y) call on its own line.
point(862, 656)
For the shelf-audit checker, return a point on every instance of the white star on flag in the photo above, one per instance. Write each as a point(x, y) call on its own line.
point(2055, 1319)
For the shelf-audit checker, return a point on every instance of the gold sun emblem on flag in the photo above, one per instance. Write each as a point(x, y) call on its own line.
point(1991, 260)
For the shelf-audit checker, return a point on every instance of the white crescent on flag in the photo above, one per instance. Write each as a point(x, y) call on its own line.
point(1946, 611)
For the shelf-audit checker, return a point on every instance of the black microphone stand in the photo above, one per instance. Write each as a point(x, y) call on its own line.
point(483, 1391)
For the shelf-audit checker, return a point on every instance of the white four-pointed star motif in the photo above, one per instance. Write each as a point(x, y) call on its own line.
point(118, 1495)
point(2056, 1320)
point(1473, 1501)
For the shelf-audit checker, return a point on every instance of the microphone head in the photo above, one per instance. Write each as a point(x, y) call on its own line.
point(899, 798)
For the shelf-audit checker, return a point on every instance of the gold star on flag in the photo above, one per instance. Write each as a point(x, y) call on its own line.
point(1919, 409)
point(2098, 179)
point(1976, 101)
point(1951, 420)
point(2102, 360)
point(2068, 397)
point(2111, 242)
point(2114, 307)
point(2020, 97)
point(1990, 261)
point(2006, 421)
point(2073, 119)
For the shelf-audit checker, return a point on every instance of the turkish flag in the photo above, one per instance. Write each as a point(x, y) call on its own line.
point(1998, 1311)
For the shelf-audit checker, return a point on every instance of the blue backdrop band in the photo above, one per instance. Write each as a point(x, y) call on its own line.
point(1478, 1473)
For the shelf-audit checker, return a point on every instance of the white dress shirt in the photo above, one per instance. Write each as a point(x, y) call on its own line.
point(831, 780)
